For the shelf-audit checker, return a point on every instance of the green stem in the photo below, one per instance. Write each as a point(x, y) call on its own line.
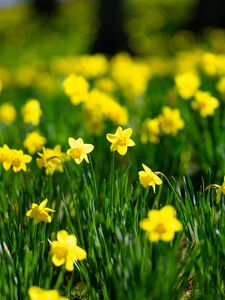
point(94, 179)
point(76, 208)
point(154, 256)
point(175, 192)
point(112, 177)
point(34, 232)
point(60, 278)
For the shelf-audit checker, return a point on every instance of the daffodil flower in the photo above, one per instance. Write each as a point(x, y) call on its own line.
point(31, 112)
point(170, 121)
point(220, 190)
point(51, 159)
point(19, 160)
point(120, 140)
point(7, 113)
point(40, 212)
point(149, 178)
point(205, 103)
point(161, 224)
point(34, 142)
point(36, 293)
point(76, 87)
point(65, 250)
point(15, 158)
point(79, 150)
point(187, 84)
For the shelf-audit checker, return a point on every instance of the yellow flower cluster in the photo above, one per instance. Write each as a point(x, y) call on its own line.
point(120, 141)
point(101, 106)
point(205, 103)
point(14, 158)
point(213, 64)
point(187, 61)
point(169, 122)
point(160, 225)
point(98, 104)
point(65, 249)
point(123, 71)
point(34, 76)
point(131, 76)
point(32, 112)
point(89, 66)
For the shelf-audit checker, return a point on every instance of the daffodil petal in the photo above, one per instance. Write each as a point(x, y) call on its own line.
point(58, 261)
point(72, 142)
point(62, 235)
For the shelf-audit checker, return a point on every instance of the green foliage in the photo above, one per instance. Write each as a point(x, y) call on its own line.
point(102, 202)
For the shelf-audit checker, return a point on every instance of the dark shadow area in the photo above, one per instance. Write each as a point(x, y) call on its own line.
point(45, 8)
point(208, 13)
point(111, 37)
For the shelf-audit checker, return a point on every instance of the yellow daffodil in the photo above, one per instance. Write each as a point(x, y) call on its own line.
point(7, 113)
point(51, 159)
point(209, 63)
point(149, 178)
point(15, 158)
point(101, 106)
point(6, 157)
point(171, 121)
point(36, 293)
point(79, 150)
point(32, 112)
point(19, 160)
point(187, 84)
point(76, 87)
point(65, 250)
point(220, 86)
point(120, 140)
point(220, 190)
point(132, 76)
point(92, 66)
point(205, 103)
point(161, 224)
point(40, 213)
point(34, 142)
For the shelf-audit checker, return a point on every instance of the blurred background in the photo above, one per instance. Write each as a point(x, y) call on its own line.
point(46, 28)
point(36, 34)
